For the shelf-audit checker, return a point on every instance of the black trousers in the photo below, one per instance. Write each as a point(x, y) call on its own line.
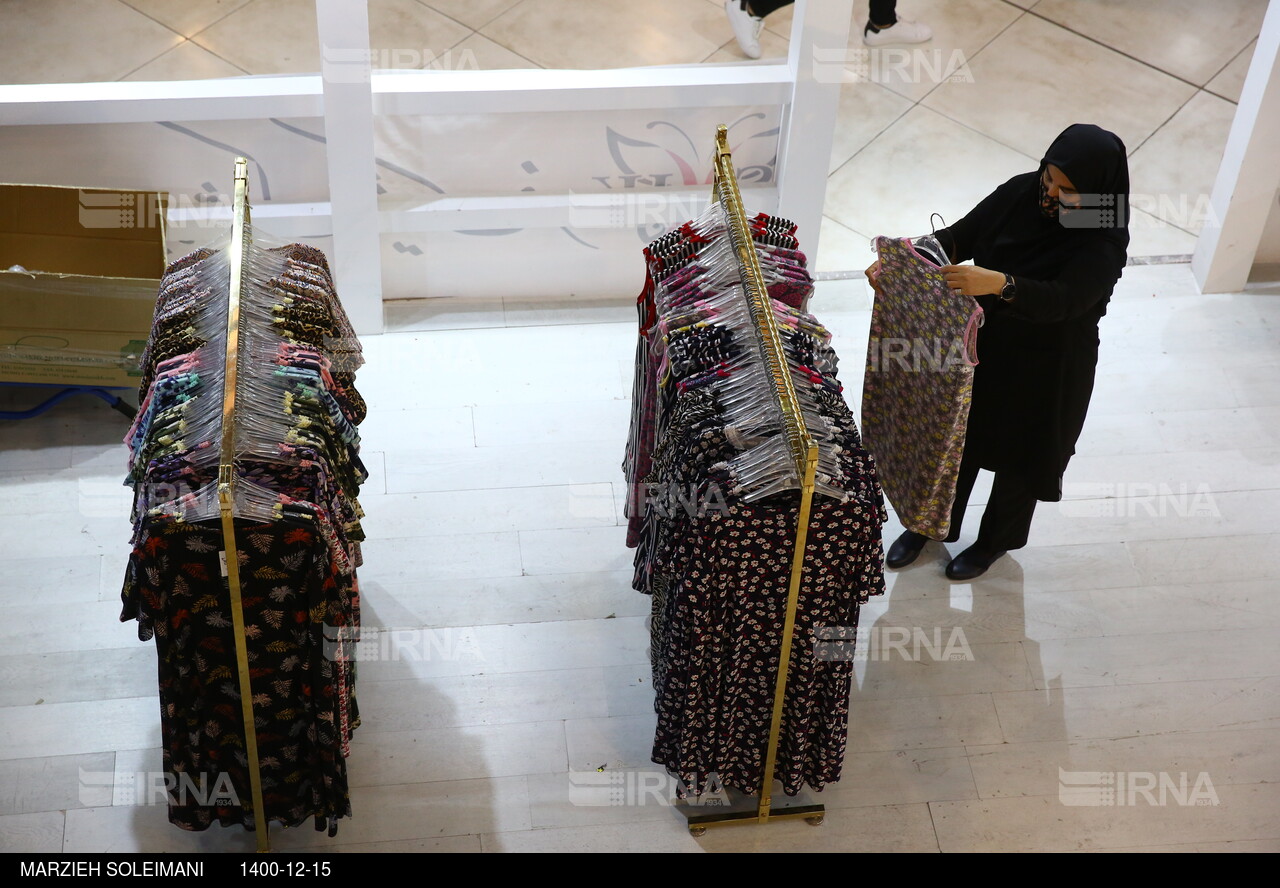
point(1006, 522)
point(882, 11)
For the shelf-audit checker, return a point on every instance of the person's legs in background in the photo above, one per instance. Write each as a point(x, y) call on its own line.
point(761, 8)
point(883, 27)
point(747, 19)
point(884, 13)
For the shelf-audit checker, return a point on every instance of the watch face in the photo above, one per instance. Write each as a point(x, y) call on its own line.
point(1006, 293)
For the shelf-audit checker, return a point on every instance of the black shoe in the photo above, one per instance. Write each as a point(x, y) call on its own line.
point(972, 562)
point(905, 549)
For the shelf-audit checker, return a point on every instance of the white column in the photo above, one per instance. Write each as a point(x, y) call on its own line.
point(348, 127)
point(1249, 175)
point(817, 57)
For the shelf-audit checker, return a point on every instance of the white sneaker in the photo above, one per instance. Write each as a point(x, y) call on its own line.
point(746, 27)
point(904, 31)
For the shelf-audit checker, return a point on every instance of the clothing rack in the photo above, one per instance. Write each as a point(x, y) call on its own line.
point(245, 467)
point(240, 235)
point(804, 452)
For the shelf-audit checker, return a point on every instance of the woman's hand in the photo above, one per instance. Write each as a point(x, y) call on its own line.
point(871, 274)
point(972, 280)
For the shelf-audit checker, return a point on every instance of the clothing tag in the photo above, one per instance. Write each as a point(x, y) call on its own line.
point(222, 561)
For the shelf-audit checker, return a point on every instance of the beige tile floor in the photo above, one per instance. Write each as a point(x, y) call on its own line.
point(1135, 633)
point(1002, 77)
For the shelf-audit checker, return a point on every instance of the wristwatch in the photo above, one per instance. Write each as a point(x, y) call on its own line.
point(1008, 291)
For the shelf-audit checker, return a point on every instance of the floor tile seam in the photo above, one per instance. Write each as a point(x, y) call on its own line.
point(490, 21)
point(978, 51)
point(1054, 796)
point(1162, 125)
point(146, 15)
point(486, 670)
point(479, 31)
point(914, 694)
point(1191, 844)
point(569, 573)
point(96, 652)
point(49, 703)
point(552, 524)
point(1159, 632)
point(867, 145)
point(1235, 101)
point(534, 323)
point(524, 774)
point(165, 51)
point(1140, 496)
point(527, 672)
point(471, 30)
point(191, 38)
point(984, 135)
point(225, 15)
point(707, 58)
point(500, 487)
point(1121, 52)
point(356, 784)
point(494, 40)
point(1236, 691)
point(1045, 684)
point(983, 749)
point(507, 624)
point(933, 824)
point(364, 732)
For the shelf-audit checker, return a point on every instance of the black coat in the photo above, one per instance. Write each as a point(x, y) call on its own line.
point(1037, 355)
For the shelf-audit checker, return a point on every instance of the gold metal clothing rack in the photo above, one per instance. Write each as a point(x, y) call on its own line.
point(804, 451)
point(240, 238)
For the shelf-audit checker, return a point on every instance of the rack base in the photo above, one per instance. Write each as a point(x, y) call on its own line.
point(699, 823)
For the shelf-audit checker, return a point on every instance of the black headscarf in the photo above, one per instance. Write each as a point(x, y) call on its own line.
point(1014, 234)
point(1096, 163)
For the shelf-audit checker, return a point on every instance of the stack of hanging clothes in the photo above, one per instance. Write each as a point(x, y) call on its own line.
point(297, 527)
point(712, 507)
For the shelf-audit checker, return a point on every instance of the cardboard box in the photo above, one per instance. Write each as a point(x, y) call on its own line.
point(80, 311)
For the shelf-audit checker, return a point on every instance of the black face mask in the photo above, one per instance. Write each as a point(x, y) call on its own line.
point(1048, 205)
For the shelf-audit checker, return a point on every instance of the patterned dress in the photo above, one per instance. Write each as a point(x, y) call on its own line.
point(918, 384)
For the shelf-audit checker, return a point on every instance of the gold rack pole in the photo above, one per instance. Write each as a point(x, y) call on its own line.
point(227, 493)
point(804, 452)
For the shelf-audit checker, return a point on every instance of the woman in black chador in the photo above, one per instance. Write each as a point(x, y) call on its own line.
point(1048, 248)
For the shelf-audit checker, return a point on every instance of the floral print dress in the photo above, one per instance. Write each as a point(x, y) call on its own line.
point(918, 383)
